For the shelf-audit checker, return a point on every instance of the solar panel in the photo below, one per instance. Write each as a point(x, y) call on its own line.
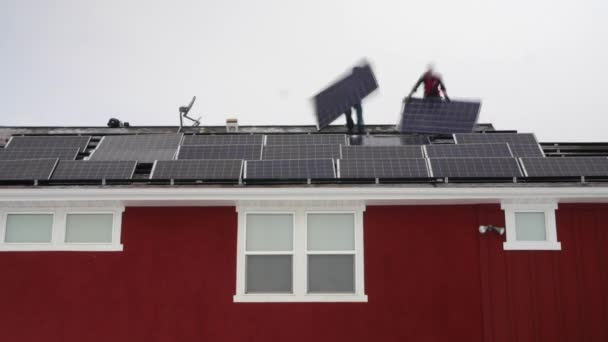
point(301, 152)
point(228, 139)
point(333, 101)
point(93, 170)
point(440, 117)
point(306, 139)
point(468, 151)
point(143, 141)
point(46, 142)
point(381, 152)
point(198, 169)
point(565, 167)
point(526, 150)
point(30, 169)
point(290, 169)
point(485, 138)
point(475, 167)
point(389, 140)
point(140, 155)
point(383, 168)
point(247, 152)
point(39, 153)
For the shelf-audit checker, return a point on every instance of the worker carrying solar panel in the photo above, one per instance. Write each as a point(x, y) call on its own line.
point(433, 85)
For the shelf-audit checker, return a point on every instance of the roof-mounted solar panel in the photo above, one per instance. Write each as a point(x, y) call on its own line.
point(382, 168)
point(93, 170)
point(39, 153)
point(30, 169)
point(290, 169)
point(439, 117)
point(475, 167)
point(198, 170)
point(224, 139)
point(468, 151)
point(381, 152)
point(526, 150)
point(246, 152)
point(387, 140)
point(565, 166)
point(141, 142)
point(301, 152)
point(49, 142)
point(140, 155)
point(493, 138)
point(306, 139)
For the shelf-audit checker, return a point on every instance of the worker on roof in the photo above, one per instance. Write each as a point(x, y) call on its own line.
point(358, 109)
point(433, 85)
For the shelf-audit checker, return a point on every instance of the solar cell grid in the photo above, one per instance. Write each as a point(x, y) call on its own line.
point(228, 139)
point(440, 117)
point(468, 151)
point(143, 141)
point(246, 152)
point(392, 140)
point(93, 170)
point(484, 138)
point(475, 167)
point(382, 168)
point(38, 153)
point(301, 152)
point(290, 169)
point(565, 167)
point(381, 152)
point(306, 139)
point(141, 155)
point(30, 169)
point(49, 142)
point(526, 150)
point(198, 169)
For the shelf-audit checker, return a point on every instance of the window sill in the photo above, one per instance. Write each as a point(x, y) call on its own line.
point(68, 248)
point(532, 245)
point(283, 298)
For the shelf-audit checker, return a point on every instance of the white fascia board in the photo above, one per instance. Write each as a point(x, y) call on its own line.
point(370, 195)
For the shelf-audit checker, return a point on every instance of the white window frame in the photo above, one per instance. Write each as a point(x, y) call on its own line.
point(59, 230)
point(551, 242)
point(300, 252)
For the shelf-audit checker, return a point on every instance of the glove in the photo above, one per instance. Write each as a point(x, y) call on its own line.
point(447, 98)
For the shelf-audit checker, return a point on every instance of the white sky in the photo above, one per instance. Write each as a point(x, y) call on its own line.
point(538, 65)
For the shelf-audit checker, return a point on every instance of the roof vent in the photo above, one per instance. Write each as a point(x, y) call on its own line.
point(232, 125)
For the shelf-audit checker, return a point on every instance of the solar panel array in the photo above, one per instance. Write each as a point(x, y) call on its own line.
point(437, 116)
point(290, 169)
point(198, 169)
point(140, 155)
point(30, 169)
point(381, 152)
point(93, 170)
point(526, 150)
point(565, 167)
point(468, 151)
point(49, 142)
point(38, 153)
point(306, 139)
point(493, 138)
point(301, 152)
point(227, 139)
point(145, 148)
point(475, 167)
point(383, 168)
point(246, 152)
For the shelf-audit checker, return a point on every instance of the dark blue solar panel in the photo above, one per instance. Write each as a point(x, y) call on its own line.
point(440, 117)
point(290, 169)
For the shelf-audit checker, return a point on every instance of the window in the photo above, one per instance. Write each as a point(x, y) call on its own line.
point(531, 227)
point(60, 229)
point(300, 253)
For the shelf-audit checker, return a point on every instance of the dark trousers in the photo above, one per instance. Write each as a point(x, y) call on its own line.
point(349, 119)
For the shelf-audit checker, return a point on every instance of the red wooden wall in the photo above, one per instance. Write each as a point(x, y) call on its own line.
point(430, 276)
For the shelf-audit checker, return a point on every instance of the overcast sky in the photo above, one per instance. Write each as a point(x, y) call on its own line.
point(537, 65)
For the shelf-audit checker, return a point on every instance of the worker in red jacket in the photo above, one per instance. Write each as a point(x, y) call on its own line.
point(433, 85)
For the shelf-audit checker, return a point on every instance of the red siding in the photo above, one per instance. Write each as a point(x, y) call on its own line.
point(430, 276)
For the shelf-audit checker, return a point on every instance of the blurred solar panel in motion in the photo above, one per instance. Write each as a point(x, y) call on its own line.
point(492, 138)
point(439, 117)
point(290, 169)
point(565, 167)
point(49, 142)
point(198, 169)
point(381, 152)
point(141, 142)
point(382, 168)
point(93, 170)
point(468, 151)
point(246, 152)
point(475, 167)
point(306, 139)
point(38, 153)
point(301, 152)
point(343, 94)
point(140, 155)
point(227, 139)
point(30, 169)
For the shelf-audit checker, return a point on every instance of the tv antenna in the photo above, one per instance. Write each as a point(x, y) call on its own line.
point(183, 113)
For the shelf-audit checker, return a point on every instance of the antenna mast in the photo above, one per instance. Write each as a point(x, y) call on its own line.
point(183, 113)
